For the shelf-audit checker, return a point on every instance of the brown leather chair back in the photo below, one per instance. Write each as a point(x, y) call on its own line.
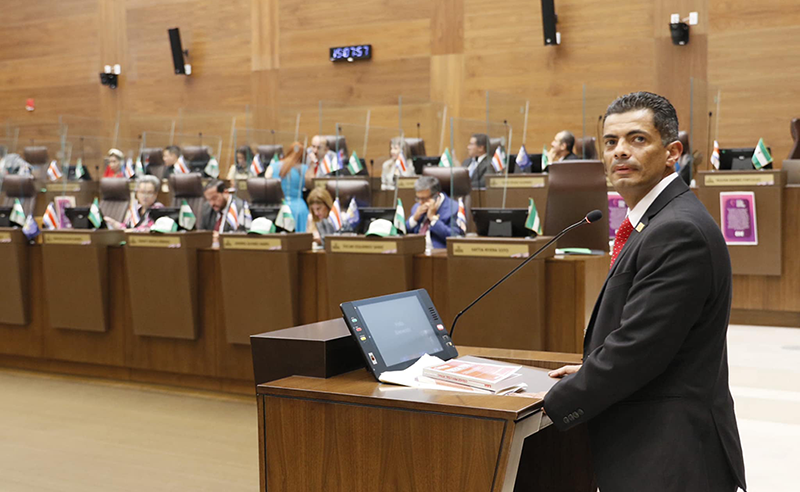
point(22, 188)
point(575, 188)
point(35, 155)
point(586, 148)
point(154, 157)
point(114, 197)
point(493, 144)
point(416, 147)
point(265, 192)
point(187, 187)
point(196, 154)
point(332, 139)
point(353, 187)
point(267, 151)
point(460, 186)
point(794, 126)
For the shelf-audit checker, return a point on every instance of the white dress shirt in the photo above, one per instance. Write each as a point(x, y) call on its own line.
point(635, 215)
point(474, 164)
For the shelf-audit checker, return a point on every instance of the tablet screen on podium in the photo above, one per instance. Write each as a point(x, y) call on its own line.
point(394, 331)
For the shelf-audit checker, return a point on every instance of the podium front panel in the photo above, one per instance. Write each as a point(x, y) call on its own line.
point(14, 288)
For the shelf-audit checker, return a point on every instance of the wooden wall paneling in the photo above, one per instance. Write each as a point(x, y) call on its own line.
point(447, 85)
point(314, 15)
point(447, 27)
point(265, 35)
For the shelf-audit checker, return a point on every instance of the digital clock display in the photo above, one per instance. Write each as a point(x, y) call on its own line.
point(351, 53)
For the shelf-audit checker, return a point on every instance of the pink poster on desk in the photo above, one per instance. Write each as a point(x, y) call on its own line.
point(617, 211)
point(737, 212)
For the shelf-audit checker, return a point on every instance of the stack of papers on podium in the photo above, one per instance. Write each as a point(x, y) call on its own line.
point(425, 374)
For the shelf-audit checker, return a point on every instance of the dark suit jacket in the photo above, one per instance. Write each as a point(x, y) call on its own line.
point(653, 387)
point(479, 176)
point(571, 157)
point(208, 217)
point(444, 227)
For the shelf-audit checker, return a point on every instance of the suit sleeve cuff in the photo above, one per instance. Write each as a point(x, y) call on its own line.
point(412, 223)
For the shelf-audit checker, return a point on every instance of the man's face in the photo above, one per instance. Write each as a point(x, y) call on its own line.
point(320, 211)
point(169, 158)
point(635, 159)
point(423, 196)
point(318, 147)
point(240, 159)
point(215, 199)
point(557, 144)
point(473, 149)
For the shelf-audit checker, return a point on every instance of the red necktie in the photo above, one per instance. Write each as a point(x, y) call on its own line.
point(623, 233)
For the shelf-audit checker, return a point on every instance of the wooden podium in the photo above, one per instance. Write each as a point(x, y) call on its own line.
point(502, 321)
point(260, 282)
point(162, 282)
point(15, 286)
point(75, 266)
point(360, 267)
point(765, 258)
point(520, 188)
point(83, 191)
point(349, 432)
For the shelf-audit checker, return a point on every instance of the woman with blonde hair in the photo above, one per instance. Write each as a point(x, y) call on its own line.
point(291, 170)
point(320, 203)
point(390, 169)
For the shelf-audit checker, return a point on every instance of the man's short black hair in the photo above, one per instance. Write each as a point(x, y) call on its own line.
point(174, 150)
point(568, 139)
point(665, 119)
point(215, 183)
point(481, 140)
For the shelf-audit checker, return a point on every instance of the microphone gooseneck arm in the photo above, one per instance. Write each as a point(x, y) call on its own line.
point(586, 220)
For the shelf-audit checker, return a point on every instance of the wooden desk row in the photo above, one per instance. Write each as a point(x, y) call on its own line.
point(241, 291)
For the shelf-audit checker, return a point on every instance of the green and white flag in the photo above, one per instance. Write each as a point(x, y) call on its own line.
point(95, 215)
point(80, 171)
point(354, 164)
point(275, 162)
point(446, 160)
point(285, 219)
point(186, 218)
point(212, 168)
point(761, 156)
point(139, 168)
point(17, 215)
point(533, 223)
point(400, 217)
point(545, 160)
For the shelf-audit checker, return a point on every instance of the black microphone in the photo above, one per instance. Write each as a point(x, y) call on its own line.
point(590, 218)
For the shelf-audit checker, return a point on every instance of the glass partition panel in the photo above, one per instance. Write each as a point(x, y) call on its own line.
point(133, 125)
point(198, 161)
point(279, 119)
point(426, 120)
point(511, 109)
point(372, 144)
point(81, 125)
point(199, 122)
point(10, 136)
point(92, 153)
point(247, 142)
point(332, 112)
point(595, 102)
point(36, 159)
point(32, 131)
point(703, 121)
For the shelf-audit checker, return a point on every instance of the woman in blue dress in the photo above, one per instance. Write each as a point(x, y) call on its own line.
point(292, 173)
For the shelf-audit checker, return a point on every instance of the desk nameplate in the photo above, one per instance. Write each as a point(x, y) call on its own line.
point(243, 185)
point(406, 184)
point(252, 243)
point(491, 250)
point(526, 182)
point(63, 187)
point(73, 239)
point(749, 179)
point(154, 241)
point(5, 237)
point(370, 247)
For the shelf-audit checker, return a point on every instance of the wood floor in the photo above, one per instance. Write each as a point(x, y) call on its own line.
point(70, 434)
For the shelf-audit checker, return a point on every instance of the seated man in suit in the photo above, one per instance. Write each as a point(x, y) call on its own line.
point(434, 213)
point(212, 218)
point(170, 155)
point(561, 147)
point(316, 153)
point(479, 161)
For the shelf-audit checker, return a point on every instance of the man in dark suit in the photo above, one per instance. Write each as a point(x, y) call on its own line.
point(212, 217)
point(479, 161)
point(653, 386)
point(434, 212)
point(561, 148)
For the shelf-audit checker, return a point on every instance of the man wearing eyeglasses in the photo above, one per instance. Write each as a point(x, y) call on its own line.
point(434, 214)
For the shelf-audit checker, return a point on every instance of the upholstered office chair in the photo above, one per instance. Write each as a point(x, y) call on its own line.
point(794, 127)
point(188, 187)
point(587, 145)
point(267, 151)
point(493, 144)
point(459, 186)
point(416, 146)
point(154, 157)
point(22, 188)
point(575, 188)
point(686, 160)
point(38, 158)
point(114, 197)
point(357, 188)
point(196, 154)
point(265, 192)
point(332, 140)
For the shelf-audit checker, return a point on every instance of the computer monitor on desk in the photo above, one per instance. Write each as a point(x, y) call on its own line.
point(423, 161)
point(171, 212)
point(79, 218)
point(535, 167)
point(501, 222)
point(368, 214)
point(738, 159)
point(5, 213)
